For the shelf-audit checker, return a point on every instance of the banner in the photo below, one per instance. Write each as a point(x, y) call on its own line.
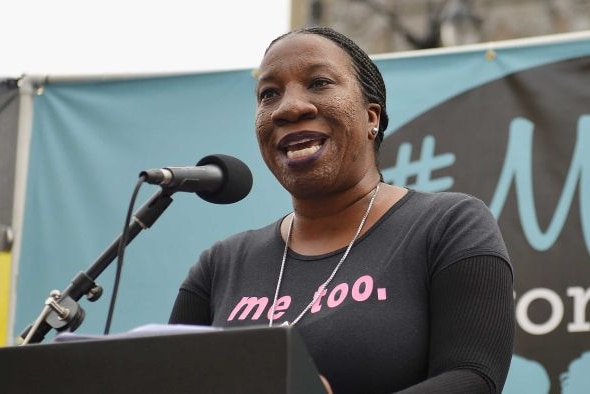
point(521, 143)
point(508, 123)
point(89, 142)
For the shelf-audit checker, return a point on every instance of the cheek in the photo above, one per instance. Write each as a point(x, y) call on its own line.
point(262, 125)
point(344, 111)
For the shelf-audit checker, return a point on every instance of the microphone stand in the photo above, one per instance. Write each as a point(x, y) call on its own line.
point(62, 311)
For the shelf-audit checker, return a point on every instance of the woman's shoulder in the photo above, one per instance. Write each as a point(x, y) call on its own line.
point(445, 198)
point(446, 203)
point(250, 238)
point(441, 212)
point(461, 225)
point(228, 252)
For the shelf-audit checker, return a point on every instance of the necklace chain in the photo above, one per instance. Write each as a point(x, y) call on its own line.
point(325, 284)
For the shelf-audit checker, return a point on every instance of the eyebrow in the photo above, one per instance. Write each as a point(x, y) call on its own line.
point(262, 77)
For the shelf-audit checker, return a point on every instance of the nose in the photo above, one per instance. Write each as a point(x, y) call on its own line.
point(294, 105)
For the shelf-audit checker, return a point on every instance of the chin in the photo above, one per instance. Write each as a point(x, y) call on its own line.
point(306, 186)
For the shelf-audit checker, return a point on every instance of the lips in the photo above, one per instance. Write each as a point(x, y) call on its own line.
point(301, 144)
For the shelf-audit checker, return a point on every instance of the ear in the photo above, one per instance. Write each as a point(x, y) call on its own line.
point(373, 116)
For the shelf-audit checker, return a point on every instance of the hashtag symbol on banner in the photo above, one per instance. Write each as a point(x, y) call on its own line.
point(420, 170)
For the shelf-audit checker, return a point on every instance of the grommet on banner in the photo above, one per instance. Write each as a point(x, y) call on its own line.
point(490, 55)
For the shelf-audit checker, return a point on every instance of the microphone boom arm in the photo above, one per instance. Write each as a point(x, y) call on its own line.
point(65, 313)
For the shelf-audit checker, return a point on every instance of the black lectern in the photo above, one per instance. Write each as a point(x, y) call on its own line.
point(246, 360)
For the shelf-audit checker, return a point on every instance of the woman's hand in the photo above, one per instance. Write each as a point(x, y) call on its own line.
point(326, 385)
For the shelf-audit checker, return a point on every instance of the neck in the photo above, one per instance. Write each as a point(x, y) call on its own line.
point(329, 223)
point(335, 203)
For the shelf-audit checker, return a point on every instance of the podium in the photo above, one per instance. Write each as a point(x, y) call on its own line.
point(232, 361)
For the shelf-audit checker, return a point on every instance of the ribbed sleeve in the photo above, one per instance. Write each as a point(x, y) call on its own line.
point(190, 309)
point(472, 328)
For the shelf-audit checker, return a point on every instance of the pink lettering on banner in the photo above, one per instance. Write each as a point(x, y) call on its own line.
point(362, 290)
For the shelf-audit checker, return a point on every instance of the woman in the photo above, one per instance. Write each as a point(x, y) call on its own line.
point(392, 290)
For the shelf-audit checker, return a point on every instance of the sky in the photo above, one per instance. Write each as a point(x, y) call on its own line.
point(78, 37)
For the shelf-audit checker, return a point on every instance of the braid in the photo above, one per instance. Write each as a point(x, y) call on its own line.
point(367, 73)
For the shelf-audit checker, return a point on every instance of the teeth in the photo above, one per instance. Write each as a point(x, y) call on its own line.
point(303, 152)
point(301, 142)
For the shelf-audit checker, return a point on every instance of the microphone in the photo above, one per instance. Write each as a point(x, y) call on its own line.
point(219, 179)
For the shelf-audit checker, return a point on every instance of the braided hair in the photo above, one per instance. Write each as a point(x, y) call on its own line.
point(367, 73)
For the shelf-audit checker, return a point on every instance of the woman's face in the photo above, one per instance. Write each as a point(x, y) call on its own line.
point(312, 121)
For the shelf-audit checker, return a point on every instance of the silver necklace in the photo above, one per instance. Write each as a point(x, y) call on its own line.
point(325, 284)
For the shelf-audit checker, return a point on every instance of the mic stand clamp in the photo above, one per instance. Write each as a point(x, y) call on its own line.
point(65, 312)
point(61, 311)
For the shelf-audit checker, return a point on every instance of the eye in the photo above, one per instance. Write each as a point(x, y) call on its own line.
point(266, 94)
point(320, 82)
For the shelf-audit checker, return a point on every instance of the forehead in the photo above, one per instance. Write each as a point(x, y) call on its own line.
point(304, 50)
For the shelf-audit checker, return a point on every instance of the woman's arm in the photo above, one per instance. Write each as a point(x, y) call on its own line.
point(472, 327)
point(189, 308)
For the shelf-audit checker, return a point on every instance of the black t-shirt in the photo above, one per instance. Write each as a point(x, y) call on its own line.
point(378, 327)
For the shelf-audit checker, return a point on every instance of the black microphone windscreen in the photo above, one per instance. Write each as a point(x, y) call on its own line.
point(237, 181)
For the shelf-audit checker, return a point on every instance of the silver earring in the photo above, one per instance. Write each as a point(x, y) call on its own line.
point(374, 131)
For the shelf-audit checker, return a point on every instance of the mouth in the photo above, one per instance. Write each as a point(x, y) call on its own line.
point(301, 145)
point(303, 149)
